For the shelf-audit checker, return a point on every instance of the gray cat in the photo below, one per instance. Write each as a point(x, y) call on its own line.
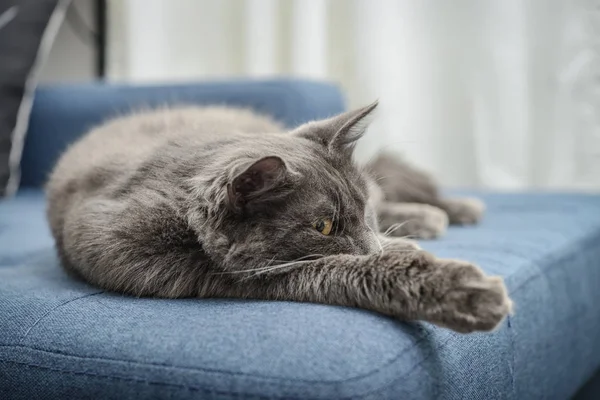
point(217, 202)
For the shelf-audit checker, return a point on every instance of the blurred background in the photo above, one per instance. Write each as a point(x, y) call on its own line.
point(502, 94)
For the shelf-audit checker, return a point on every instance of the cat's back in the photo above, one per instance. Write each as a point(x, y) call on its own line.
point(120, 146)
point(129, 139)
point(122, 143)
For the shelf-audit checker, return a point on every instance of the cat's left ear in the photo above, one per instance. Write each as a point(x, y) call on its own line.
point(257, 182)
point(340, 133)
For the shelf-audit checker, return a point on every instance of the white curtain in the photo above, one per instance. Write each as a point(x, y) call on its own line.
point(502, 94)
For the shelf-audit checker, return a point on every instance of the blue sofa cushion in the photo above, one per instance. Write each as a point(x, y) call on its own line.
point(60, 338)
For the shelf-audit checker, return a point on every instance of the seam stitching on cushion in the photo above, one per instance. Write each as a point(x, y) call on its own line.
point(208, 370)
point(139, 380)
point(511, 338)
point(406, 374)
point(47, 313)
point(224, 372)
point(193, 388)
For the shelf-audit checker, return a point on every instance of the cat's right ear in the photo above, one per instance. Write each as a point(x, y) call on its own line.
point(259, 181)
point(339, 134)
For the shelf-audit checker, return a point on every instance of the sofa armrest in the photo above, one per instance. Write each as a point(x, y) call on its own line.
point(61, 114)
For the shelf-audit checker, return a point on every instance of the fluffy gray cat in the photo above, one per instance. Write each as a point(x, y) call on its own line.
point(217, 202)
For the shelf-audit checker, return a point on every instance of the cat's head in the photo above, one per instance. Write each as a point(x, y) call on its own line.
point(302, 197)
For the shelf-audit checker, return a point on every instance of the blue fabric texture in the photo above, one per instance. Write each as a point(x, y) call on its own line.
point(61, 338)
point(61, 114)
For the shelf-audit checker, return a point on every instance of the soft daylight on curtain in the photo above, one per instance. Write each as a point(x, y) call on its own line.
point(496, 94)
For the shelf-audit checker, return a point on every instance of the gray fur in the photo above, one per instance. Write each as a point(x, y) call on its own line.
point(417, 220)
point(217, 202)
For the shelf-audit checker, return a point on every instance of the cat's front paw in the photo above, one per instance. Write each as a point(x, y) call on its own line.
point(389, 244)
point(464, 211)
point(428, 222)
point(467, 300)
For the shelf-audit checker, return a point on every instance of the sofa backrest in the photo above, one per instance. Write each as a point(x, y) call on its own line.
point(61, 114)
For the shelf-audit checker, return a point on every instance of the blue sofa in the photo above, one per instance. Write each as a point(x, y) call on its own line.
point(60, 338)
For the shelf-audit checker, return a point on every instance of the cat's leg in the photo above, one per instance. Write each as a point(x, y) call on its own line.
point(138, 246)
point(413, 220)
point(406, 284)
point(403, 183)
point(421, 221)
point(462, 211)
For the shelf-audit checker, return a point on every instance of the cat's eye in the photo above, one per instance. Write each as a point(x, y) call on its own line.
point(324, 225)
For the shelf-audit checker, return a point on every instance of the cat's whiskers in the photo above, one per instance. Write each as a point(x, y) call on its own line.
point(288, 264)
point(376, 238)
point(270, 267)
point(317, 256)
point(381, 178)
point(393, 241)
point(273, 268)
point(394, 228)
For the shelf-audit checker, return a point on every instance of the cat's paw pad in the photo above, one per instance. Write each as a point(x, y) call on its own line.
point(464, 211)
point(471, 301)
